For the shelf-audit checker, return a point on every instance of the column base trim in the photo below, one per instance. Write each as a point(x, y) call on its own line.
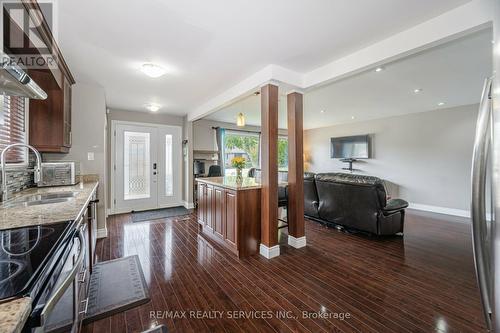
point(269, 252)
point(297, 242)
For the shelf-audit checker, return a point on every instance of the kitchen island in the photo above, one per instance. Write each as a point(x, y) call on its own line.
point(229, 213)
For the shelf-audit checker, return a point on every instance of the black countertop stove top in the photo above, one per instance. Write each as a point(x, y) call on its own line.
point(23, 254)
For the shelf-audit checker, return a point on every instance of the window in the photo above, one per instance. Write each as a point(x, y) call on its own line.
point(13, 127)
point(247, 145)
point(282, 153)
point(241, 144)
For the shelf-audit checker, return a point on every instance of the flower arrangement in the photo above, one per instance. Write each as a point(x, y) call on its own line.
point(238, 162)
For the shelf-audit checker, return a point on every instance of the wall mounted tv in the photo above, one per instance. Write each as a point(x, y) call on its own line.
point(354, 147)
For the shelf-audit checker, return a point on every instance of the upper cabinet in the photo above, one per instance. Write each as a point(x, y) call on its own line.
point(49, 119)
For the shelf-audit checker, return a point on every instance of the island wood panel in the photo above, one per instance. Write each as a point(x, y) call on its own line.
point(202, 202)
point(209, 206)
point(230, 225)
point(231, 217)
point(219, 211)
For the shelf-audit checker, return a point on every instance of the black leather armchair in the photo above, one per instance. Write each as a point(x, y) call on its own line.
point(354, 201)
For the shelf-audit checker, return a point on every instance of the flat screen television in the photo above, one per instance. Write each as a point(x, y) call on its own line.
point(350, 147)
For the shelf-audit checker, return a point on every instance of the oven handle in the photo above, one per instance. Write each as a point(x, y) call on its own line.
point(51, 303)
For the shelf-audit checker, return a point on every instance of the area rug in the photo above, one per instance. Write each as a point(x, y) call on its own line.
point(157, 214)
point(115, 286)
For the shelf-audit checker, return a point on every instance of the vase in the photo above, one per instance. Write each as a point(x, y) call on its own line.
point(239, 175)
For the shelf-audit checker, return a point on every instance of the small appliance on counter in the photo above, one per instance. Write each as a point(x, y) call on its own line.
point(60, 173)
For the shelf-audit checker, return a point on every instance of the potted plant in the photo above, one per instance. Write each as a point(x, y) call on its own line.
point(239, 164)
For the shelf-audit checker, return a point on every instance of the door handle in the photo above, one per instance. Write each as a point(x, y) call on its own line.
point(478, 205)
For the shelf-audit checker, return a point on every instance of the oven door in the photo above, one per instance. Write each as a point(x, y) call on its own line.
point(65, 307)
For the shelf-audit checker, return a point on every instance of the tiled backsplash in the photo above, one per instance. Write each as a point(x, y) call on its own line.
point(20, 178)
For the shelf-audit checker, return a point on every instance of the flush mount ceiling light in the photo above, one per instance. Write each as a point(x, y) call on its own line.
point(417, 91)
point(441, 103)
point(153, 70)
point(240, 120)
point(352, 117)
point(322, 111)
point(379, 69)
point(152, 107)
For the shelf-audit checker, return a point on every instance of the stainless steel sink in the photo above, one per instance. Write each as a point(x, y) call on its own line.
point(41, 199)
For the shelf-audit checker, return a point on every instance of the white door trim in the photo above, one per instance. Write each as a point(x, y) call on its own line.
point(114, 123)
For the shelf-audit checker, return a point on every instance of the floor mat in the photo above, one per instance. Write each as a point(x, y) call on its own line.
point(115, 286)
point(156, 214)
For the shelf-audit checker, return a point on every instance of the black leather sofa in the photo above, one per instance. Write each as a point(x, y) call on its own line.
point(353, 201)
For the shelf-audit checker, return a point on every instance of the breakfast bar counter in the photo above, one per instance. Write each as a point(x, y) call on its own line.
point(229, 213)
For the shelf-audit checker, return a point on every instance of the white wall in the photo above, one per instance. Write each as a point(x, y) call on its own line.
point(427, 156)
point(88, 112)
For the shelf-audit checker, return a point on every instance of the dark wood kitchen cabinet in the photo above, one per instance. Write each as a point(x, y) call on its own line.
point(230, 217)
point(50, 119)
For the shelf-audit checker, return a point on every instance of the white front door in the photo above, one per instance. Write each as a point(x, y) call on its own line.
point(147, 170)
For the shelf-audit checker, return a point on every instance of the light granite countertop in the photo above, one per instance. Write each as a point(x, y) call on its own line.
point(230, 182)
point(14, 313)
point(20, 216)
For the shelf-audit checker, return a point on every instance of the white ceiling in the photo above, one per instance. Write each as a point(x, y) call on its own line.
point(211, 45)
point(452, 73)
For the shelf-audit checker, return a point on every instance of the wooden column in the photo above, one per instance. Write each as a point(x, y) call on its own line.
point(269, 247)
point(296, 233)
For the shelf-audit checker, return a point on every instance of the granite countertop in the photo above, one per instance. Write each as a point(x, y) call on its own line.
point(20, 216)
point(230, 182)
point(13, 315)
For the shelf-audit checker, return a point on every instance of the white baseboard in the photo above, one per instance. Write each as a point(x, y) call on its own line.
point(297, 242)
point(188, 205)
point(269, 252)
point(440, 210)
point(102, 233)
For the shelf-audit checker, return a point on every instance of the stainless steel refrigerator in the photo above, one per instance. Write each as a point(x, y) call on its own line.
point(485, 207)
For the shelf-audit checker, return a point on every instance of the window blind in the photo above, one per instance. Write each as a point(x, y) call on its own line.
point(13, 129)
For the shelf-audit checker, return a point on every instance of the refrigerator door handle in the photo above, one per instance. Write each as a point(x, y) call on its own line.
point(478, 203)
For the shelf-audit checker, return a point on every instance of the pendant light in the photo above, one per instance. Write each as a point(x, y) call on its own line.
point(240, 120)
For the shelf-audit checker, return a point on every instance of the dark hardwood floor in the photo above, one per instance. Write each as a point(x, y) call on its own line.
point(422, 282)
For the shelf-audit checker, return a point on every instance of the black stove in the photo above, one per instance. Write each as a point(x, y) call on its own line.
point(25, 254)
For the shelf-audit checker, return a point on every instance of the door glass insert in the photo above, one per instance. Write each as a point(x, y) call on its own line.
point(136, 165)
point(169, 176)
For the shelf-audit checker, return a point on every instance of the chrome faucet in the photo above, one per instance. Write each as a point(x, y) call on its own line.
point(37, 171)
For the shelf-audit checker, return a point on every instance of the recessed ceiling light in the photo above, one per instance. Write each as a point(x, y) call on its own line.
point(352, 117)
point(441, 103)
point(379, 69)
point(322, 111)
point(153, 70)
point(152, 107)
point(417, 91)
